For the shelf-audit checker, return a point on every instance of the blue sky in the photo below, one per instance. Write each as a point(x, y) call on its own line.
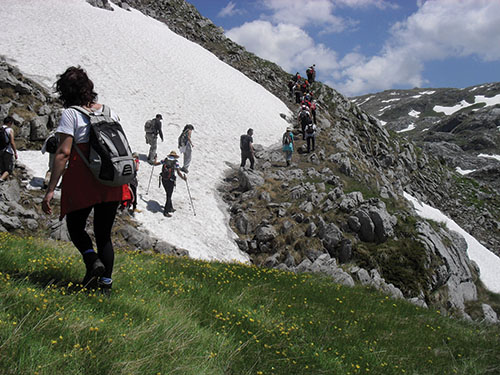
point(363, 46)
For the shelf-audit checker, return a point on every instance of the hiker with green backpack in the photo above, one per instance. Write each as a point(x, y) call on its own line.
point(153, 130)
point(170, 166)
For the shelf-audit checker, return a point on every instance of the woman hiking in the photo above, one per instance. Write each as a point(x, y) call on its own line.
point(81, 191)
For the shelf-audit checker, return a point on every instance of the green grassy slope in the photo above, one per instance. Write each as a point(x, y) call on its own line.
point(179, 316)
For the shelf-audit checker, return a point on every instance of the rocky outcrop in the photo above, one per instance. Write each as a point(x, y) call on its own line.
point(34, 110)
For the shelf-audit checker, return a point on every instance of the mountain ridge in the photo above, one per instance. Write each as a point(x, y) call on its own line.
point(358, 168)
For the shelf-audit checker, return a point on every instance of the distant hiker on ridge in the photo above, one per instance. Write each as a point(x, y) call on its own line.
point(153, 129)
point(303, 119)
point(311, 73)
point(310, 136)
point(186, 146)
point(314, 107)
point(298, 93)
point(288, 145)
point(246, 147)
point(7, 149)
point(170, 166)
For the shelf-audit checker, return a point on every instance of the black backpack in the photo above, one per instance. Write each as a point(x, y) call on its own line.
point(310, 129)
point(168, 170)
point(287, 139)
point(52, 144)
point(305, 118)
point(183, 139)
point(4, 138)
point(110, 159)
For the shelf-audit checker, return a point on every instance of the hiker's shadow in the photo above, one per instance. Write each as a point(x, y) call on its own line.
point(143, 157)
point(36, 182)
point(152, 205)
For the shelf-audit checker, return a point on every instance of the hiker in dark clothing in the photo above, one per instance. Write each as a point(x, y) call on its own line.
point(153, 129)
point(310, 136)
point(170, 166)
point(311, 73)
point(247, 151)
point(303, 119)
point(298, 93)
point(133, 185)
point(9, 152)
point(291, 85)
point(296, 77)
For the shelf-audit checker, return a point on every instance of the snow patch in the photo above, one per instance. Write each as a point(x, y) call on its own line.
point(409, 128)
point(383, 109)
point(427, 92)
point(464, 172)
point(488, 263)
point(497, 157)
point(366, 100)
point(463, 104)
point(414, 113)
point(391, 100)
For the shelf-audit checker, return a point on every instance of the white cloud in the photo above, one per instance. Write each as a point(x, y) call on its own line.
point(381, 4)
point(302, 13)
point(287, 45)
point(229, 10)
point(438, 30)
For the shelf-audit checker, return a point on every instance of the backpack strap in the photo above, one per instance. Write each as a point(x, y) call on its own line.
point(92, 115)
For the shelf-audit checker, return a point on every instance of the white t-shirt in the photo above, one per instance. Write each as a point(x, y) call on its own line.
point(75, 123)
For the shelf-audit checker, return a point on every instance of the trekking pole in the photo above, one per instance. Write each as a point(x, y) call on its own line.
point(150, 177)
point(191, 199)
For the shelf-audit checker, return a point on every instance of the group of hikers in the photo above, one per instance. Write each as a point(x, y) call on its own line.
point(83, 191)
point(82, 188)
point(170, 165)
point(306, 121)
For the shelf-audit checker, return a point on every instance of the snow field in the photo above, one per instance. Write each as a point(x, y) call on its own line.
point(488, 263)
point(140, 68)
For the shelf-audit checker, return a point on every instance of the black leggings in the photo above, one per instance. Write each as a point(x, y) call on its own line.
point(104, 217)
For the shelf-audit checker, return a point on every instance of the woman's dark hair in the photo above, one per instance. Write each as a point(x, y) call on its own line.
point(188, 126)
point(75, 88)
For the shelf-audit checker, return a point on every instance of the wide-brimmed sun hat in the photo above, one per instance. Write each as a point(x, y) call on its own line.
point(173, 154)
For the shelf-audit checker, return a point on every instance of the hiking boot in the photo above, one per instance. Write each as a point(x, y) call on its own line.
point(96, 270)
point(184, 170)
point(105, 284)
point(167, 214)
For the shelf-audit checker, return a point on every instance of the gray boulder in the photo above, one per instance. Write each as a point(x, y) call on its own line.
point(490, 315)
point(265, 233)
point(330, 235)
point(367, 228)
point(249, 179)
point(10, 222)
